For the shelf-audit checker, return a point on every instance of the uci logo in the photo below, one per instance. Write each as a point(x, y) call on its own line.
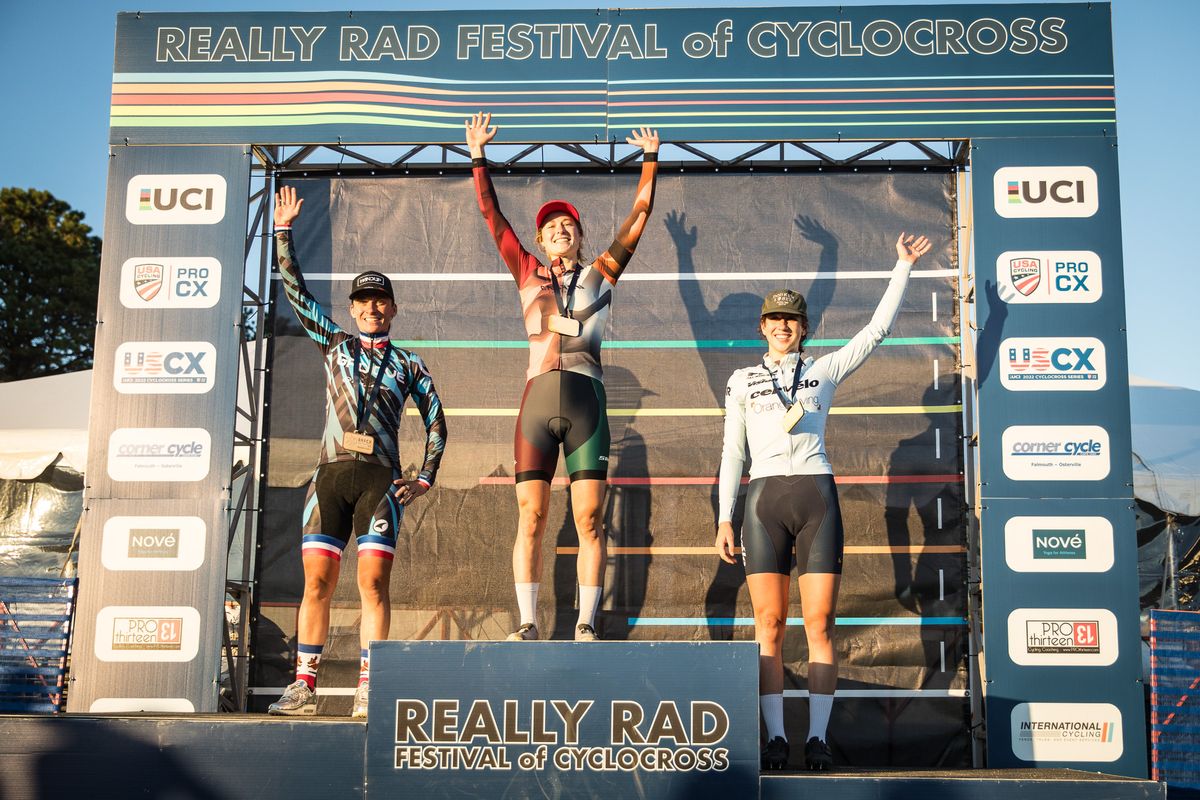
point(175, 199)
point(1025, 192)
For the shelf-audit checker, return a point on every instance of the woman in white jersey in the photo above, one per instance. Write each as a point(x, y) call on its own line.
point(779, 407)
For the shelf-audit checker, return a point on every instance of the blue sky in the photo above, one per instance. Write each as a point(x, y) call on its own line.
point(58, 57)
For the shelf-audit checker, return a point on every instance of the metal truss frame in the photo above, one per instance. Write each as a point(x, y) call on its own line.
point(272, 162)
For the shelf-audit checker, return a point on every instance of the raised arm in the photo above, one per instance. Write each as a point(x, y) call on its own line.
point(850, 357)
point(312, 317)
point(612, 262)
point(511, 251)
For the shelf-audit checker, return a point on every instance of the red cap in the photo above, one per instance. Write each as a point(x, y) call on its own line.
point(553, 207)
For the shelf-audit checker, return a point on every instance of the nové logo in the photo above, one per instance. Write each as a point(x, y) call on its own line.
point(1025, 192)
point(175, 199)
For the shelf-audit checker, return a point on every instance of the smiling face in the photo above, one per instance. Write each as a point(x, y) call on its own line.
point(560, 236)
point(372, 312)
point(783, 332)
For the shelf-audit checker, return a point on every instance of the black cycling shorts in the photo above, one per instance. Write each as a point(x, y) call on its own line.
point(568, 408)
point(347, 497)
point(795, 514)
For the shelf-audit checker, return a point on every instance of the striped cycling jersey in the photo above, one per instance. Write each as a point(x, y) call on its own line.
point(754, 410)
point(593, 292)
point(406, 376)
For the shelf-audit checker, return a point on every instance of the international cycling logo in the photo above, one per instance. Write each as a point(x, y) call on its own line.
point(1058, 544)
point(153, 543)
point(164, 367)
point(1049, 637)
point(1053, 364)
point(1049, 276)
point(148, 282)
point(1041, 192)
point(1066, 732)
point(175, 199)
point(159, 454)
point(147, 633)
point(1056, 452)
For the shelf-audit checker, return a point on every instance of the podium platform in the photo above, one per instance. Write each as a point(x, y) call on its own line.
point(490, 719)
point(255, 757)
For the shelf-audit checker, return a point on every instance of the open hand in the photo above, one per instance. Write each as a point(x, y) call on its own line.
point(287, 207)
point(644, 138)
point(911, 248)
point(479, 133)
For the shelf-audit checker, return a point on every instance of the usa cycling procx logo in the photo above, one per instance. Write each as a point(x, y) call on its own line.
point(1049, 276)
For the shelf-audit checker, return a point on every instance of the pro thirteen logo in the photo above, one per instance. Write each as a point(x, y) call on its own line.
point(1030, 192)
point(175, 199)
point(1049, 276)
point(147, 633)
point(1057, 637)
point(1056, 364)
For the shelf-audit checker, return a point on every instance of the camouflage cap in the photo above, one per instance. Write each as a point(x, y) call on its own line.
point(785, 301)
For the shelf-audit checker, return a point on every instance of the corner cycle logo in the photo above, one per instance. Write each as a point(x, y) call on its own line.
point(160, 282)
point(147, 633)
point(1052, 364)
point(1066, 732)
point(1042, 192)
point(175, 199)
point(141, 544)
point(1049, 276)
point(1058, 544)
point(1055, 452)
point(159, 454)
point(164, 367)
point(1076, 637)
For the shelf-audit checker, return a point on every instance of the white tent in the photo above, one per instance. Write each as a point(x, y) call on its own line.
point(1166, 446)
point(43, 419)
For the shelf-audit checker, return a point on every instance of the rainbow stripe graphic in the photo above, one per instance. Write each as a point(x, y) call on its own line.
point(144, 200)
point(1014, 192)
point(390, 107)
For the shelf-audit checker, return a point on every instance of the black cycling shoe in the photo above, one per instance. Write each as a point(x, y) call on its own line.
point(775, 754)
point(817, 755)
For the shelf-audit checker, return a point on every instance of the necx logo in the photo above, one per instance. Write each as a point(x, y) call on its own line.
point(1049, 276)
point(1052, 364)
point(175, 199)
point(159, 454)
point(1030, 192)
point(147, 633)
point(1058, 544)
point(1056, 452)
point(164, 367)
point(144, 544)
point(148, 282)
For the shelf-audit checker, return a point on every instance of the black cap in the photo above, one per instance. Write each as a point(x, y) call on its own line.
point(371, 281)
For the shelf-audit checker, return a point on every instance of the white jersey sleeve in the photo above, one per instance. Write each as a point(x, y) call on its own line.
point(851, 356)
point(733, 449)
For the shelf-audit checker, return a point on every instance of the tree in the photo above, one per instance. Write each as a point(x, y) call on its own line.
point(49, 279)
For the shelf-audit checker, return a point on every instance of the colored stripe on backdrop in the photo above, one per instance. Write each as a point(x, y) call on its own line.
point(921, 694)
point(658, 344)
point(913, 549)
point(502, 276)
point(697, 412)
point(923, 622)
point(849, 480)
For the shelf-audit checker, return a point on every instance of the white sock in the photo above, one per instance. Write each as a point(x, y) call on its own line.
point(772, 713)
point(819, 708)
point(589, 601)
point(527, 601)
